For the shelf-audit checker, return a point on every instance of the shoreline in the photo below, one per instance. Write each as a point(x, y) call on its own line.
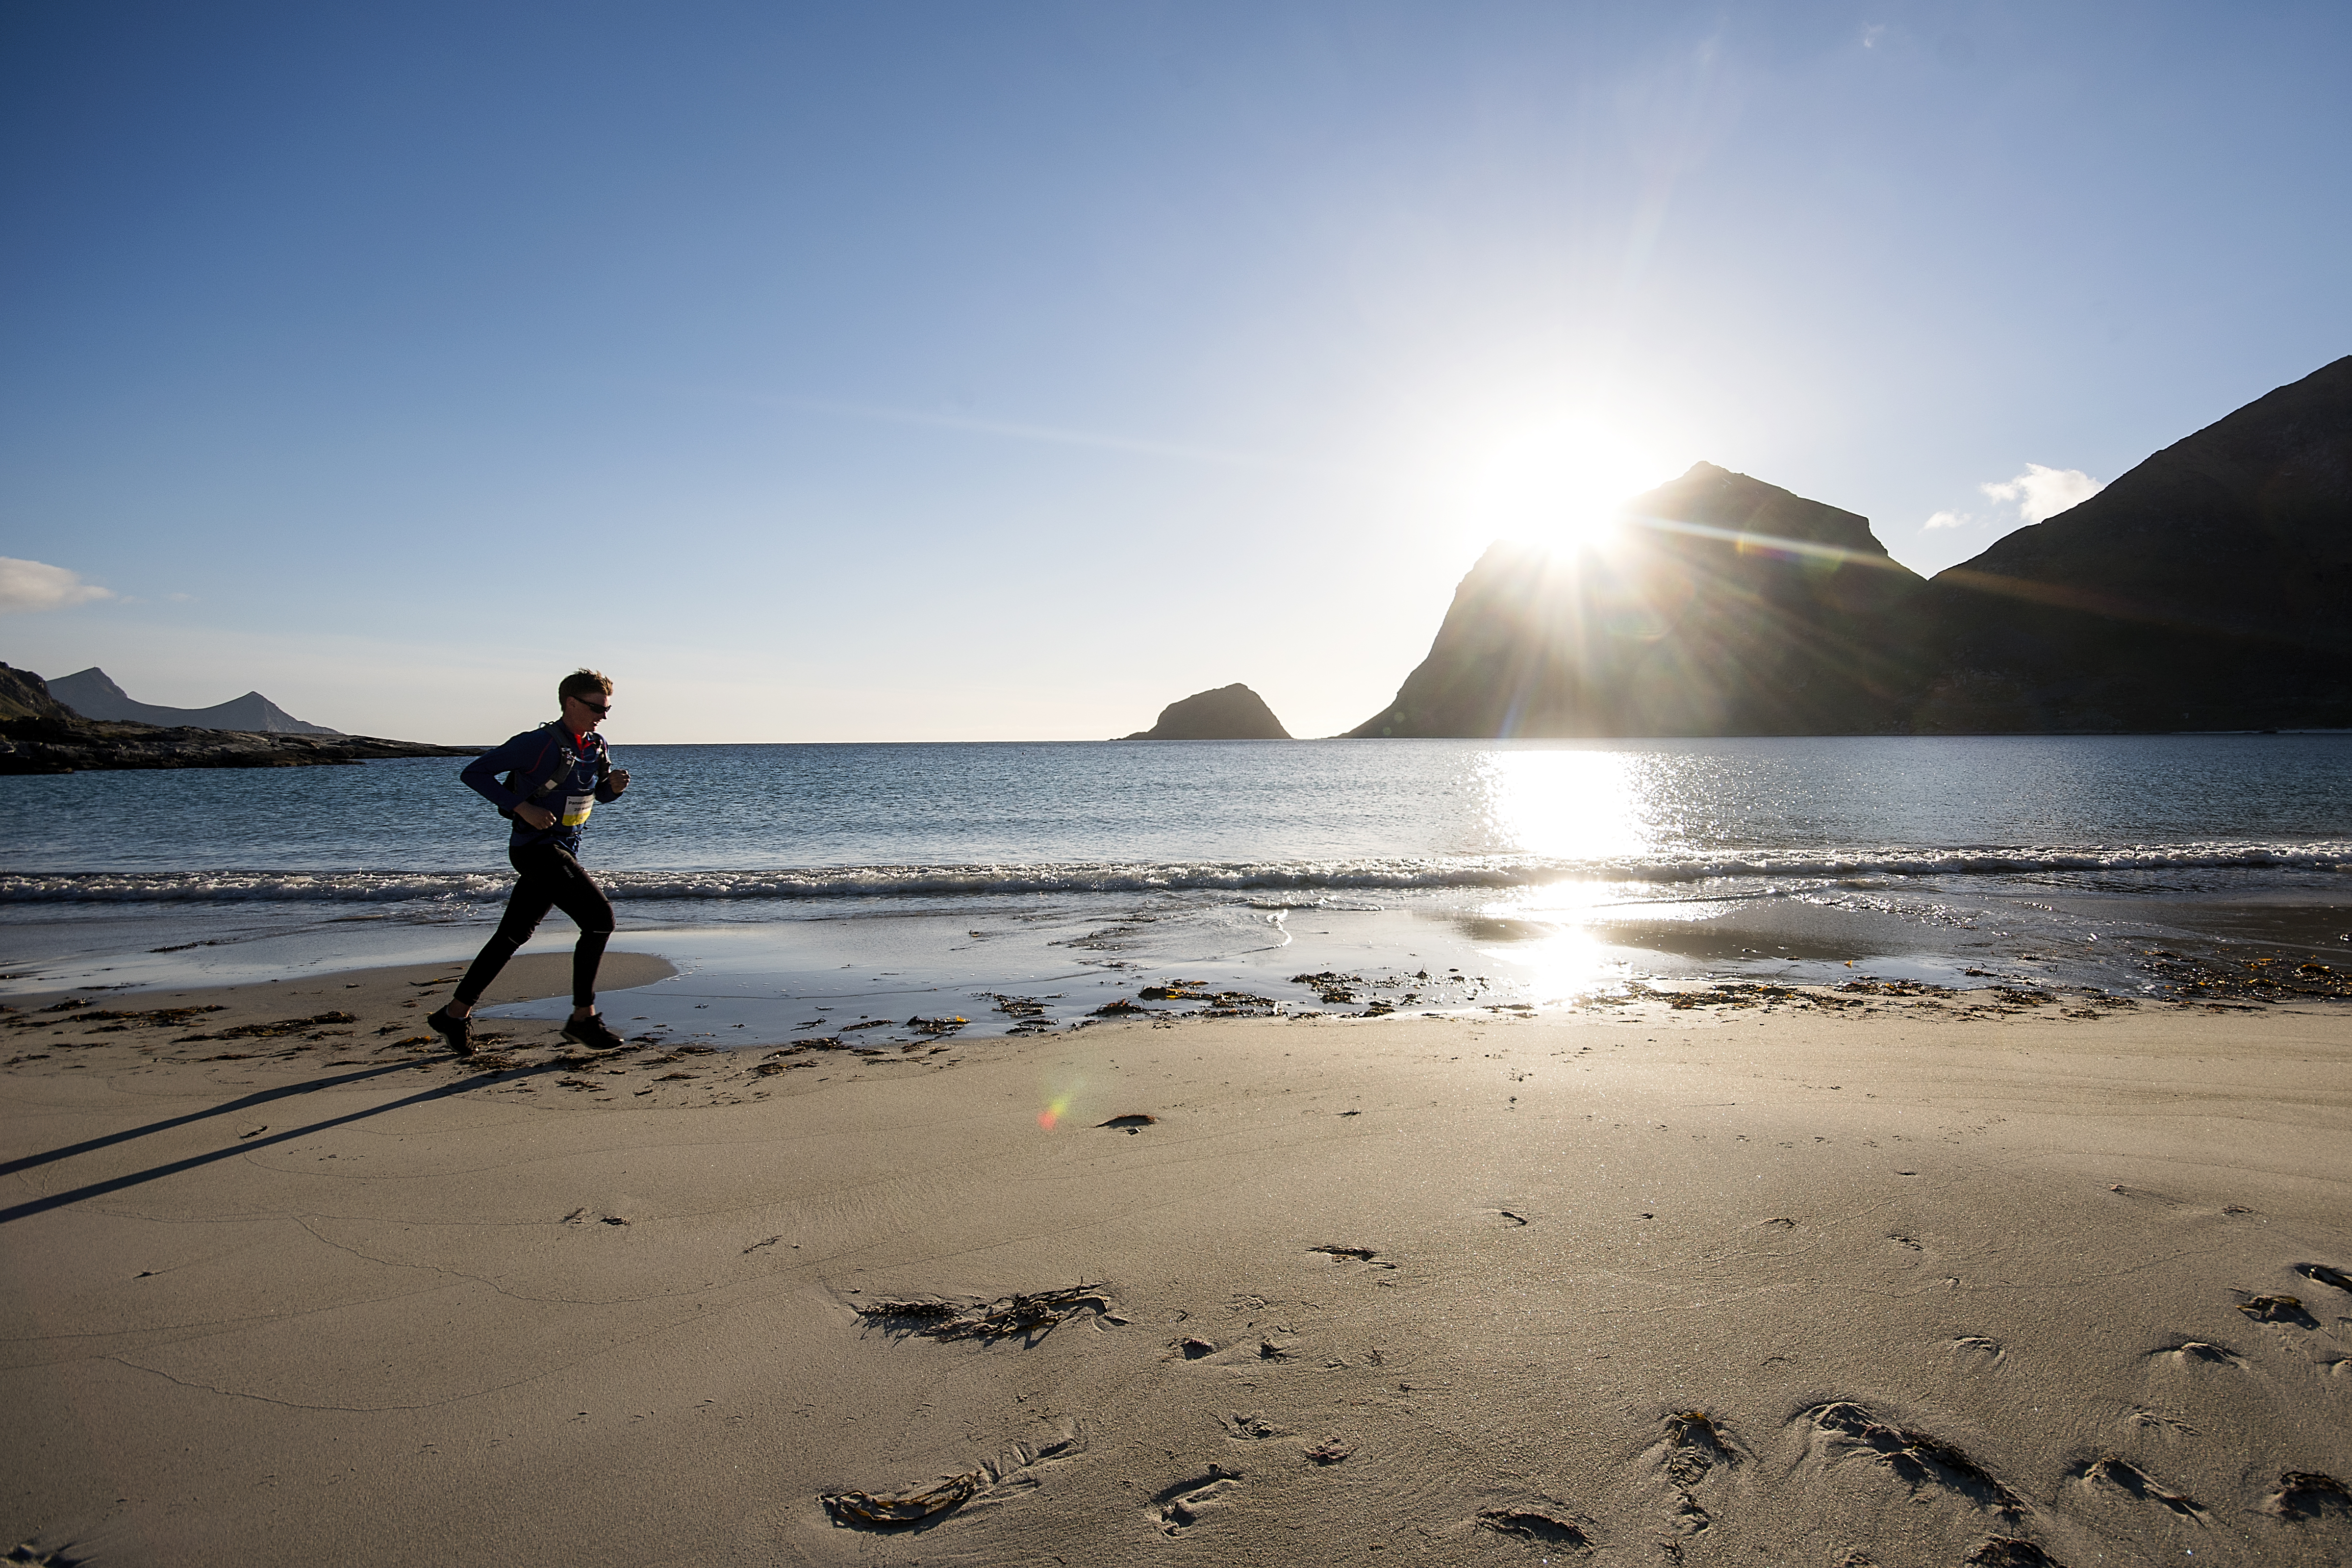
point(1753, 1279)
point(1026, 962)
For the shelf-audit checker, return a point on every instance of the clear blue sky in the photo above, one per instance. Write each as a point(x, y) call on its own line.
point(908, 372)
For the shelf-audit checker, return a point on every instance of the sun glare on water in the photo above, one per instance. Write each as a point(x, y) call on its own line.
point(1558, 481)
point(1570, 803)
point(1574, 804)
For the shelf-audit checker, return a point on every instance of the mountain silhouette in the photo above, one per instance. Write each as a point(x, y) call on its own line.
point(2209, 587)
point(1725, 606)
point(90, 693)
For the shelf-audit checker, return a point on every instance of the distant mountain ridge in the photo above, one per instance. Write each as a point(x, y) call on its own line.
point(93, 695)
point(40, 734)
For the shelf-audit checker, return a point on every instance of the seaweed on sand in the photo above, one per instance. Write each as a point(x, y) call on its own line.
point(1030, 1312)
point(897, 1511)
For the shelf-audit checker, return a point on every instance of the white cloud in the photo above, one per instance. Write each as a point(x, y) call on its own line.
point(2041, 493)
point(37, 586)
point(1951, 520)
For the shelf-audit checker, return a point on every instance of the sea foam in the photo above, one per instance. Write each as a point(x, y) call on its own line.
point(1306, 879)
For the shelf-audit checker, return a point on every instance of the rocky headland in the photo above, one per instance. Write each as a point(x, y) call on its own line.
point(40, 734)
point(1726, 606)
point(1228, 714)
point(2209, 588)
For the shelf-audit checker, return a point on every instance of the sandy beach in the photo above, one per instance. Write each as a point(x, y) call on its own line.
point(1761, 1277)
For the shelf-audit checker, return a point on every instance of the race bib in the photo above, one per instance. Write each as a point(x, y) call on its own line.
point(576, 808)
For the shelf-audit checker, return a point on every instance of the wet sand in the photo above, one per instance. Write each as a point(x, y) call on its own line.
point(1752, 1276)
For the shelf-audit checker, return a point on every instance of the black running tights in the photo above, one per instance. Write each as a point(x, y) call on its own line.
point(552, 880)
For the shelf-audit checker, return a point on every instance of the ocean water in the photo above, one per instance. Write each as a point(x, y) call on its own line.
point(831, 881)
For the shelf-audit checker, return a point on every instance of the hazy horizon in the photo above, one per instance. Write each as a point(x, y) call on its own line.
point(893, 373)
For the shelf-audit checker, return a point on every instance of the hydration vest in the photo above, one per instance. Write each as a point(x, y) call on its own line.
point(534, 788)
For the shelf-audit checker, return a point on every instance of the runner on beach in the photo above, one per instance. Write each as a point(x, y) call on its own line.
point(554, 776)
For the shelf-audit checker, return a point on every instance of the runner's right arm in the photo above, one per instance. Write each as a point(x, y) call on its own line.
point(526, 751)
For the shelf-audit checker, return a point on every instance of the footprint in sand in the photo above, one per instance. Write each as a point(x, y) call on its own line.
point(2110, 1472)
point(2169, 1428)
point(32, 1553)
point(1250, 1429)
point(2009, 1551)
point(1537, 1524)
point(1976, 1353)
point(1686, 1520)
point(1367, 1255)
point(2306, 1494)
point(1843, 1430)
point(1248, 1352)
point(2197, 1352)
point(2320, 1274)
point(1694, 1444)
point(1176, 1509)
point(2141, 1194)
point(1019, 1466)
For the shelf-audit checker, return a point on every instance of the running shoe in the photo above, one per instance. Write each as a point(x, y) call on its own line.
point(459, 1032)
point(592, 1032)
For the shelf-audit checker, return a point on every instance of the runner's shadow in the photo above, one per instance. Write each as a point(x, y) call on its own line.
point(243, 1146)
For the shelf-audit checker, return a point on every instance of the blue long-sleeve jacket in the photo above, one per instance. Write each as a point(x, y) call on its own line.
point(537, 756)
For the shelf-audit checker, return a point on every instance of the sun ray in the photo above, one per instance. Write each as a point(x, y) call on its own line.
point(1557, 479)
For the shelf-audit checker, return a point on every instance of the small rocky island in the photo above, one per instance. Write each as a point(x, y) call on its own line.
point(40, 734)
point(1229, 713)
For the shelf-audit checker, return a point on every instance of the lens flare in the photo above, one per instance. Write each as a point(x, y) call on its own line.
point(1056, 1109)
point(1558, 479)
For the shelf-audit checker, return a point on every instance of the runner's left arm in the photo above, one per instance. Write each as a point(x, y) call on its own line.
point(616, 780)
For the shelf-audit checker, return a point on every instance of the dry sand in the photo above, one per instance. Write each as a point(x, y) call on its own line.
point(1894, 1283)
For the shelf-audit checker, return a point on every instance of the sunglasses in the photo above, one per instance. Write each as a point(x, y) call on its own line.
point(598, 709)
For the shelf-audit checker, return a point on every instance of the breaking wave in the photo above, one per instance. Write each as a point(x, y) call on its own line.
point(1274, 883)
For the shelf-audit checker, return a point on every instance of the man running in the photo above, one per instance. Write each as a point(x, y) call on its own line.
point(555, 775)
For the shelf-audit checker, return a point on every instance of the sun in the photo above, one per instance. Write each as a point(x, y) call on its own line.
point(1558, 480)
